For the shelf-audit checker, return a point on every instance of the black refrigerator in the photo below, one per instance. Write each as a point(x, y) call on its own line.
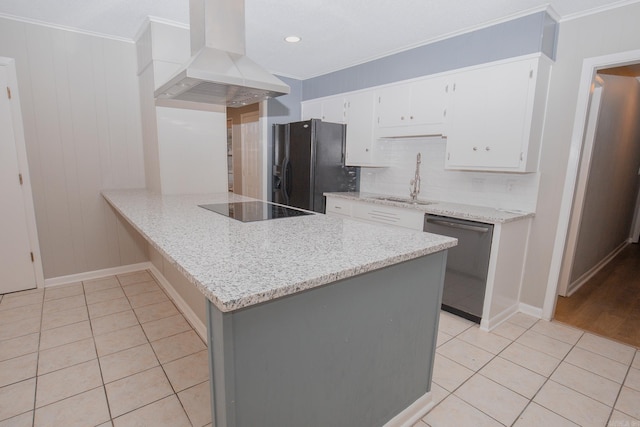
point(308, 160)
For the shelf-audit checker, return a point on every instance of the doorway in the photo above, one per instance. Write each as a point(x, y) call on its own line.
point(246, 151)
point(19, 250)
point(596, 285)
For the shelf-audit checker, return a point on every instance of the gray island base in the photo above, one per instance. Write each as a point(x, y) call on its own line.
point(356, 352)
point(310, 320)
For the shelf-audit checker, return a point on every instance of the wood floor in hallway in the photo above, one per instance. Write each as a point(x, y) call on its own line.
point(609, 303)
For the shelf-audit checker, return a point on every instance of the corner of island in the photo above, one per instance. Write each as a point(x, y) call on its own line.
point(311, 320)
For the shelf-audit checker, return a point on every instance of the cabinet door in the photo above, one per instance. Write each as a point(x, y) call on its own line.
point(428, 101)
point(333, 110)
point(311, 110)
point(393, 105)
point(326, 109)
point(490, 117)
point(359, 119)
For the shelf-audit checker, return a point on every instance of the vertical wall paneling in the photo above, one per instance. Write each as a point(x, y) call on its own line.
point(81, 113)
point(58, 253)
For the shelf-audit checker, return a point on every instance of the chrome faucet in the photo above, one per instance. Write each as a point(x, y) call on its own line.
point(415, 182)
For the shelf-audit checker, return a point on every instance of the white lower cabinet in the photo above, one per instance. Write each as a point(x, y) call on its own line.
point(375, 213)
point(506, 262)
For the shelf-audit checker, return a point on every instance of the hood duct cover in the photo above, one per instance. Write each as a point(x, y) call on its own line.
point(219, 72)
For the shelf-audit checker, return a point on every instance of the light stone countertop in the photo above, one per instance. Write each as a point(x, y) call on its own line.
point(236, 264)
point(455, 210)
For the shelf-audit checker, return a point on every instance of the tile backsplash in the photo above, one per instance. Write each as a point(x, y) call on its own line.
point(493, 189)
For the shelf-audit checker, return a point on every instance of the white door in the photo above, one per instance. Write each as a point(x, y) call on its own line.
point(17, 270)
point(251, 169)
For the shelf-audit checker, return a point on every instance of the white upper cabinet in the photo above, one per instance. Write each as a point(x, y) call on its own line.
point(330, 109)
point(491, 115)
point(494, 122)
point(412, 109)
point(359, 114)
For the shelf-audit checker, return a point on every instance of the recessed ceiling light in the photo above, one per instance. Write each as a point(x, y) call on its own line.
point(292, 39)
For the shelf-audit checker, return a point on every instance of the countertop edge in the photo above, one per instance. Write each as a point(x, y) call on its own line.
point(260, 297)
point(455, 210)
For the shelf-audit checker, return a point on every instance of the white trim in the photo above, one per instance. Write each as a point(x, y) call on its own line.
point(530, 310)
point(157, 20)
point(578, 283)
point(413, 413)
point(186, 310)
point(589, 68)
point(596, 10)
point(490, 324)
point(23, 165)
point(582, 180)
point(96, 274)
point(188, 313)
point(65, 28)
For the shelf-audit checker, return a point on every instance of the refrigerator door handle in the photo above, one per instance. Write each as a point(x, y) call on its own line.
point(286, 179)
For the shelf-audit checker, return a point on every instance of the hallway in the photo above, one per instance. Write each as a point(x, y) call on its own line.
point(609, 303)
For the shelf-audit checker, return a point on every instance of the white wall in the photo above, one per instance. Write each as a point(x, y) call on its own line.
point(500, 190)
point(185, 150)
point(81, 112)
point(590, 36)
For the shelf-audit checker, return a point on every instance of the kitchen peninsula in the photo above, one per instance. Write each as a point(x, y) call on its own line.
point(311, 320)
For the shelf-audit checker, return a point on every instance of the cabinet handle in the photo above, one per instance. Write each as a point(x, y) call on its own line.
point(487, 148)
point(411, 117)
point(401, 117)
point(475, 148)
point(366, 149)
point(444, 112)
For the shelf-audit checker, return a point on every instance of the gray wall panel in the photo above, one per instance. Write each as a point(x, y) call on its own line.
point(529, 34)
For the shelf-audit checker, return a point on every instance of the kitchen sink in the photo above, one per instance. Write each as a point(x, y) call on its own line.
point(403, 200)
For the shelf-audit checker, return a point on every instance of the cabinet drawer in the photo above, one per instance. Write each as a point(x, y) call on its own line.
point(389, 215)
point(338, 206)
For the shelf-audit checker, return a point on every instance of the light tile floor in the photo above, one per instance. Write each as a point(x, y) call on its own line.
point(108, 352)
point(117, 352)
point(530, 372)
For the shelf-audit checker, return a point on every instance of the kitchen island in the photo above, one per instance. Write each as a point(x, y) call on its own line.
point(312, 320)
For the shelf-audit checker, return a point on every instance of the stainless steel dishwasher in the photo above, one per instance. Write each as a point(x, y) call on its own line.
point(465, 279)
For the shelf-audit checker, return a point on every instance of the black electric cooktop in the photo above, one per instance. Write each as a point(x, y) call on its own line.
point(253, 211)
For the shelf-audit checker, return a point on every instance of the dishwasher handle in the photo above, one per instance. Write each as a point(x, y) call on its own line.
point(477, 228)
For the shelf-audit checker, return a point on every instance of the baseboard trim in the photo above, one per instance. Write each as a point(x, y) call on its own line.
point(96, 274)
point(413, 413)
point(577, 284)
point(530, 310)
point(490, 324)
point(186, 310)
point(188, 313)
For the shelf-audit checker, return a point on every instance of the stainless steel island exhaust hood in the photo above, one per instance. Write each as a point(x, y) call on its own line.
point(219, 72)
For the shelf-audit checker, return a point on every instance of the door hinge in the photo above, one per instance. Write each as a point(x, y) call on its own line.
point(20, 178)
point(8, 92)
point(32, 258)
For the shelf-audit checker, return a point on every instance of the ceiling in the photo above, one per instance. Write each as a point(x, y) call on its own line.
point(335, 33)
